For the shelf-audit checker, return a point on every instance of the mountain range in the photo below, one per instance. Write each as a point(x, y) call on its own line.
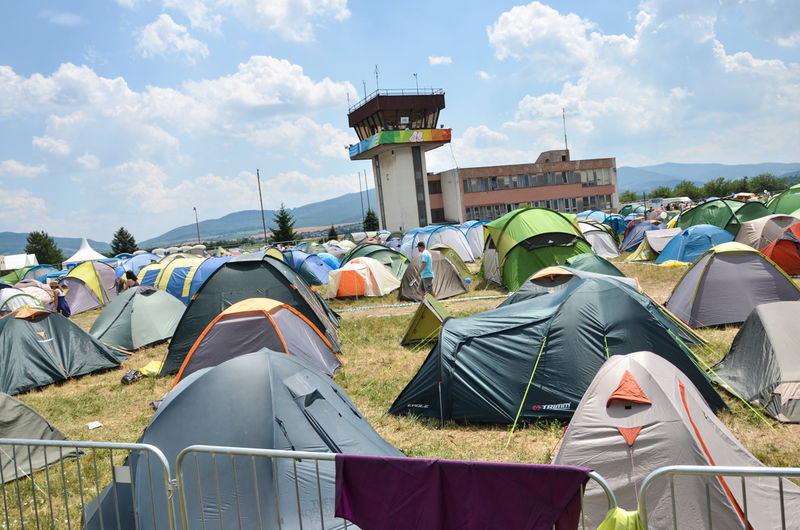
point(346, 209)
point(646, 178)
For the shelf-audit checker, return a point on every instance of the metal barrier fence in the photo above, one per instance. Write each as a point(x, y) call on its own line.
point(37, 493)
point(708, 473)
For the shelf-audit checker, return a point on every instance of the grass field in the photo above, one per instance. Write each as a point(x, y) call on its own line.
point(375, 370)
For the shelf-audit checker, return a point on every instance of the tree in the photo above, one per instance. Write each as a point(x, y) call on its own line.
point(332, 233)
point(767, 181)
point(45, 248)
point(371, 222)
point(284, 233)
point(628, 196)
point(718, 187)
point(661, 192)
point(689, 189)
point(123, 242)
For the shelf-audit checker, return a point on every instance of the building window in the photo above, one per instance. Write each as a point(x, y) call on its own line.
point(434, 188)
point(437, 215)
point(422, 212)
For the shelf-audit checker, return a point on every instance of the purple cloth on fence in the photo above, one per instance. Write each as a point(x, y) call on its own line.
point(382, 492)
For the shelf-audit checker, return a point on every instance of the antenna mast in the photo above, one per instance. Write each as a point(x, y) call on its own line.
point(377, 84)
point(564, 118)
point(261, 202)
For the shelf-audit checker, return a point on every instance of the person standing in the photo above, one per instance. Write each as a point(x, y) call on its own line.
point(425, 269)
point(60, 299)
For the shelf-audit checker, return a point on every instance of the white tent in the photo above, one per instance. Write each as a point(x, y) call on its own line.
point(85, 253)
point(17, 261)
point(361, 277)
point(641, 413)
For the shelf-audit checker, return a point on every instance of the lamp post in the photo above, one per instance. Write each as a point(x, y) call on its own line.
point(196, 223)
point(261, 202)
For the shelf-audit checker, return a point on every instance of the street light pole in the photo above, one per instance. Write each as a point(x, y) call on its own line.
point(261, 202)
point(197, 224)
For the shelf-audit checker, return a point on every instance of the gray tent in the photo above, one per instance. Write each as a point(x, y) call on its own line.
point(138, 317)
point(602, 242)
point(551, 279)
point(763, 365)
point(263, 400)
point(447, 281)
point(759, 233)
point(726, 283)
point(18, 420)
point(641, 413)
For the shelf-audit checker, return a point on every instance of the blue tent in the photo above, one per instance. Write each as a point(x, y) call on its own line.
point(617, 222)
point(330, 259)
point(635, 235)
point(135, 263)
point(596, 215)
point(693, 242)
point(311, 267)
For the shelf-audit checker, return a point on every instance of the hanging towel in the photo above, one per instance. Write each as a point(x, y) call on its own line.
point(390, 493)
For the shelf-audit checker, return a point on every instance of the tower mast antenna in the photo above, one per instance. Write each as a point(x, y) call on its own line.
point(564, 119)
point(377, 84)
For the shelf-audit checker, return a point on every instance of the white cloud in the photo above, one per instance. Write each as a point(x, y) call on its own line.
point(51, 145)
point(59, 18)
point(294, 20)
point(296, 138)
point(484, 75)
point(439, 60)
point(198, 13)
point(20, 211)
point(88, 161)
point(164, 37)
point(670, 85)
point(12, 168)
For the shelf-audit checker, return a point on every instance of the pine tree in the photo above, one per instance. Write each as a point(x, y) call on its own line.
point(123, 242)
point(332, 233)
point(371, 221)
point(45, 248)
point(285, 222)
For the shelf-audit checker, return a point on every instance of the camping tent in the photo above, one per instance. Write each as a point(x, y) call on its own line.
point(180, 275)
point(137, 262)
point(641, 413)
point(392, 259)
point(426, 322)
point(525, 240)
point(257, 323)
point(693, 242)
point(313, 269)
point(634, 208)
point(727, 214)
point(653, 243)
point(447, 281)
point(534, 359)
point(635, 234)
point(248, 276)
point(38, 348)
point(11, 299)
point(763, 231)
point(361, 277)
point(726, 283)
point(473, 231)
point(447, 235)
point(84, 253)
point(762, 365)
point(602, 242)
point(41, 291)
point(139, 316)
point(18, 420)
point(787, 202)
point(785, 250)
point(89, 285)
point(551, 279)
point(267, 400)
point(453, 257)
point(593, 263)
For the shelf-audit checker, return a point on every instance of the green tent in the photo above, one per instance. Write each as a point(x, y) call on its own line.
point(18, 420)
point(248, 276)
point(138, 317)
point(392, 259)
point(724, 213)
point(634, 208)
point(38, 348)
point(426, 322)
point(787, 202)
point(591, 262)
point(528, 239)
point(534, 359)
point(14, 276)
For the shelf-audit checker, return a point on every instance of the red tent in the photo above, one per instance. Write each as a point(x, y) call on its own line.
point(785, 250)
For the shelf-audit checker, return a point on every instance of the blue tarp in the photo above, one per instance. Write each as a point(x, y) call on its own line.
point(693, 242)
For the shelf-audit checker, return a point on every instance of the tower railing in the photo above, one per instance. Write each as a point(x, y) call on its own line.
point(397, 92)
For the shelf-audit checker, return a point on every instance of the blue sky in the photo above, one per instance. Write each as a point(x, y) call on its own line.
point(131, 113)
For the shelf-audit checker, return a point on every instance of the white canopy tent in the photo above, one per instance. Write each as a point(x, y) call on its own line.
point(85, 253)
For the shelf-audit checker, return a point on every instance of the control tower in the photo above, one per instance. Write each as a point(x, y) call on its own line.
point(395, 129)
